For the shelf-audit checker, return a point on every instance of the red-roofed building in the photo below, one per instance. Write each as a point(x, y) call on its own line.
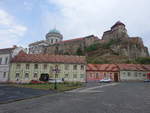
point(27, 67)
point(118, 72)
point(133, 71)
point(96, 72)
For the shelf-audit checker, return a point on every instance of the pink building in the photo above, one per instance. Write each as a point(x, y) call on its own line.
point(96, 72)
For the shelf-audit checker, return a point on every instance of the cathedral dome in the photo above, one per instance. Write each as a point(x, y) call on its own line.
point(54, 31)
point(54, 36)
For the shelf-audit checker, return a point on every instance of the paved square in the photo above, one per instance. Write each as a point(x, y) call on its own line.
point(120, 98)
point(10, 93)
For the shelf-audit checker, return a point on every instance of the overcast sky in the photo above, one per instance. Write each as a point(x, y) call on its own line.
point(26, 21)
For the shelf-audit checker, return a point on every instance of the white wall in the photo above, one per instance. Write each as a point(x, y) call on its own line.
point(4, 67)
point(132, 75)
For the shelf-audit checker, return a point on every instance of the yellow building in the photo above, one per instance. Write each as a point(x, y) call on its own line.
point(27, 67)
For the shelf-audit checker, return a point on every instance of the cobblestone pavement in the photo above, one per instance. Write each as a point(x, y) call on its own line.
point(120, 98)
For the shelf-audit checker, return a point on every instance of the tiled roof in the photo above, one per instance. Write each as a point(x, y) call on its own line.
point(102, 67)
point(117, 67)
point(47, 58)
point(38, 42)
point(76, 39)
point(71, 40)
point(117, 23)
point(109, 31)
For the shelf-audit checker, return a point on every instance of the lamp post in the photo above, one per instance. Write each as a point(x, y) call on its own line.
point(56, 71)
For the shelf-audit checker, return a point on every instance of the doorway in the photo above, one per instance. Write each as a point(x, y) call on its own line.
point(44, 77)
point(116, 79)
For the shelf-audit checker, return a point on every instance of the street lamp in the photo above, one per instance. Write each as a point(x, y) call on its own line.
point(56, 71)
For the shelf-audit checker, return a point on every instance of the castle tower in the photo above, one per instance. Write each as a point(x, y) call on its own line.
point(117, 31)
point(54, 36)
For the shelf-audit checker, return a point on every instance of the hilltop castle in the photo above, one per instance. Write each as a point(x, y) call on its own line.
point(131, 47)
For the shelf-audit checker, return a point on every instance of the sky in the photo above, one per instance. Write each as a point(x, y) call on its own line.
point(25, 21)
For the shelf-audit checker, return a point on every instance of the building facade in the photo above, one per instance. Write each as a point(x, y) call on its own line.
point(27, 67)
point(133, 72)
point(96, 72)
point(6, 55)
point(117, 72)
point(52, 37)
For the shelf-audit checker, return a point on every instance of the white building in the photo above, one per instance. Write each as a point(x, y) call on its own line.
point(5, 56)
point(52, 37)
point(133, 72)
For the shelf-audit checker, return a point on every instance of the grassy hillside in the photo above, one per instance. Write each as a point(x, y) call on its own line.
point(101, 53)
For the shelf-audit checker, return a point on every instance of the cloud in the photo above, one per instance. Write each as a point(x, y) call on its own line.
point(10, 31)
point(28, 5)
point(84, 17)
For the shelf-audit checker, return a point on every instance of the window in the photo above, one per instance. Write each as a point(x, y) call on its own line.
point(27, 66)
point(4, 75)
point(104, 75)
point(18, 66)
point(66, 75)
point(144, 75)
point(35, 66)
point(82, 67)
point(129, 74)
point(97, 76)
point(45, 66)
point(135, 74)
point(35, 75)
point(82, 76)
point(56, 40)
point(66, 67)
point(6, 60)
point(51, 69)
point(17, 75)
point(74, 75)
point(75, 67)
point(26, 75)
point(51, 40)
point(0, 60)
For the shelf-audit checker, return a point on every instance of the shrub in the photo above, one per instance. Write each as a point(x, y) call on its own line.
point(143, 60)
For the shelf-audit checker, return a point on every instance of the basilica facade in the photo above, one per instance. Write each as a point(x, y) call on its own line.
point(52, 37)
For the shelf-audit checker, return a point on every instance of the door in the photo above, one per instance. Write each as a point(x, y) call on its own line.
point(116, 77)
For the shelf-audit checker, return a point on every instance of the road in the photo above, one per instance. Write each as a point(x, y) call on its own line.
point(114, 98)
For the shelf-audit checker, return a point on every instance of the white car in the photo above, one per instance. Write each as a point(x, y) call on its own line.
point(57, 81)
point(106, 80)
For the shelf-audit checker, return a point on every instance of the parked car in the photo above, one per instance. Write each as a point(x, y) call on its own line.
point(105, 80)
point(57, 80)
point(148, 80)
point(36, 82)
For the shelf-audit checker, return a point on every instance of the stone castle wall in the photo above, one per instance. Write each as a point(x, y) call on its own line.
point(71, 46)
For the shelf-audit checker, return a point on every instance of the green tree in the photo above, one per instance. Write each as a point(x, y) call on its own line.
point(143, 60)
point(79, 51)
